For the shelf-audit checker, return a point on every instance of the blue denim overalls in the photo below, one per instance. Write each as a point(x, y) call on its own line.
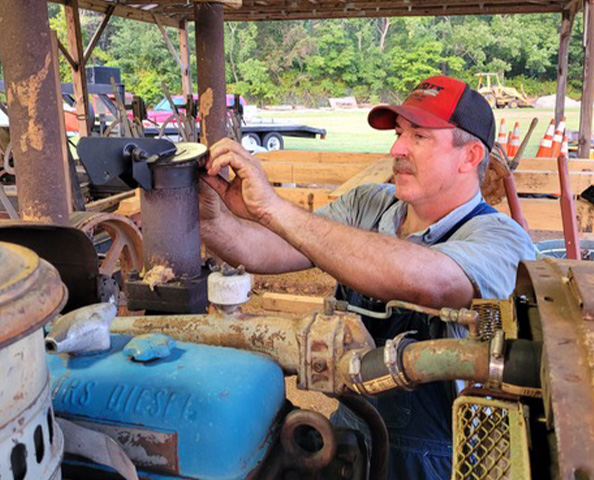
point(419, 422)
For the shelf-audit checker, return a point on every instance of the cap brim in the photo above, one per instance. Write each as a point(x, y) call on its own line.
point(383, 117)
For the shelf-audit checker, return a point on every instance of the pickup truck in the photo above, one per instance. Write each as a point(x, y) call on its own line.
point(256, 132)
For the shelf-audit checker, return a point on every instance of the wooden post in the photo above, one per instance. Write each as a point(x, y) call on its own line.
point(61, 121)
point(210, 61)
point(588, 82)
point(79, 75)
point(567, 18)
point(185, 57)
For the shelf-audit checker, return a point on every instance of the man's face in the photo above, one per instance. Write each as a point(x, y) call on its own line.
point(425, 162)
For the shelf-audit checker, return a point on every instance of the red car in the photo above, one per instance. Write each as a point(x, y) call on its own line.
point(162, 110)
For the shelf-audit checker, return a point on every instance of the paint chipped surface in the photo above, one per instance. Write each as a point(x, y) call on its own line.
point(27, 93)
point(206, 102)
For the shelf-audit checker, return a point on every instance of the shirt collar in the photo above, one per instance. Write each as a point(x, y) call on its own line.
point(392, 218)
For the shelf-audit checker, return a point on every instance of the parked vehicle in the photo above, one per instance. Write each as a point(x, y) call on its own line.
point(163, 112)
point(499, 96)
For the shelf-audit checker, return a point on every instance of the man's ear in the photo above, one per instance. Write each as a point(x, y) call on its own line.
point(473, 155)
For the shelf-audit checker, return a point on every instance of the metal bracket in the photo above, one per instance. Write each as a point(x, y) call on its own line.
point(496, 360)
point(393, 359)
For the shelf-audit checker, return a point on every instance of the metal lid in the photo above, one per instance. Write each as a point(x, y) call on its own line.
point(31, 292)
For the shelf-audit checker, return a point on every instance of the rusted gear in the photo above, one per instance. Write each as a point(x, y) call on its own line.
point(125, 252)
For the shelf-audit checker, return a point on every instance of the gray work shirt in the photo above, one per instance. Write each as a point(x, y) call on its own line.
point(488, 248)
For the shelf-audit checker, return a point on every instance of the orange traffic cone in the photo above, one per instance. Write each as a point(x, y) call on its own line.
point(514, 143)
point(502, 138)
point(558, 138)
point(546, 144)
point(565, 146)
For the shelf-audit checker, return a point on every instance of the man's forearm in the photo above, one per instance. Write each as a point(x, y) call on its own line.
point(238, 241)
point(377, 265)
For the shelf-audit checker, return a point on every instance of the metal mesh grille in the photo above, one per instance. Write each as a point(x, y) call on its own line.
point(488, 438)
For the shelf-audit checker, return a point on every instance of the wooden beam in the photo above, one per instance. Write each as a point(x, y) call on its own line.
point(79, 75)
point(284, 302)
point(61, 121)
point(303, 156)
point(550, 163)
point(308, 198)
point(97, 35)
point(106, 204)
point(170, 45)
point(545, 214)
point(123, 11)
point(567, 18)
point(318, 173)
point(378, 172)
point(69, 59)
point(264, 14)
point(585, 134)
point(541, 181)
point(184, 52)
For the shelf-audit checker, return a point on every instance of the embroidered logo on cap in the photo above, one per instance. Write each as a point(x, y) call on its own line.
point(425, 89)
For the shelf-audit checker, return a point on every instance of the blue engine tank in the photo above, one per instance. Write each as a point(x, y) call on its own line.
point(202, 412)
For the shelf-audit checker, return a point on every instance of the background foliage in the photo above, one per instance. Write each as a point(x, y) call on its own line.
point(305, 62)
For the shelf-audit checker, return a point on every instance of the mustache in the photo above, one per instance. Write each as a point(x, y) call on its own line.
point(404, 165)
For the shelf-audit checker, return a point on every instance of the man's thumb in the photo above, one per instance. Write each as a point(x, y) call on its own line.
point(216, 182)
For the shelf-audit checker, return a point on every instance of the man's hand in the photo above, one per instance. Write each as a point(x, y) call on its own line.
point(210, 203)
point(248, 195)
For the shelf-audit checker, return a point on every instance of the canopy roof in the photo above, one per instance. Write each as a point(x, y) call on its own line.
point(172, 12)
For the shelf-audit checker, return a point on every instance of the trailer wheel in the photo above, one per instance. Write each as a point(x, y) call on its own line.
point(273, 141)
point(512, 104)
point(250, 141)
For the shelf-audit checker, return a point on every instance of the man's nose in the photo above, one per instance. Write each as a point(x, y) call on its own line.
point(399, 148)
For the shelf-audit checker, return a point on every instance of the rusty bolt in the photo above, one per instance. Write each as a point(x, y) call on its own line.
point(319, 365)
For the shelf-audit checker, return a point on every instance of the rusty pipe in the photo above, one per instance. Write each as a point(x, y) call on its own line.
point(310, 346)
point(34, 105)
point(272, 336)
point(568, 217)
point(513, 201)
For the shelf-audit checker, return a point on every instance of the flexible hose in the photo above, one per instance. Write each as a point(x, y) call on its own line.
point(451, 359)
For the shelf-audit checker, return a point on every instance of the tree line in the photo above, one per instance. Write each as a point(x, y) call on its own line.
point(372, 59)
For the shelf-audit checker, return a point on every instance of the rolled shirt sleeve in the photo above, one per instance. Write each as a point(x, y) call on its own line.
point(488, 248)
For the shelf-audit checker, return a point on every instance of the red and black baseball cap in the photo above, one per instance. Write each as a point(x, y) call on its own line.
point(441, 102)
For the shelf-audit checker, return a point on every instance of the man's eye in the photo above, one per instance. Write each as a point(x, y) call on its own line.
point(418, 135)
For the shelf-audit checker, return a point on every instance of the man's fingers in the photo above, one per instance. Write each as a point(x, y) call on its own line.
point(237, 162)
point(217, 183)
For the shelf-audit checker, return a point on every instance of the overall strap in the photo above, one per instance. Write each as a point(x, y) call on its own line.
point(482, 208)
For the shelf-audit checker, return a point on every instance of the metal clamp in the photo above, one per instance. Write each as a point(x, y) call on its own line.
point(496, 360)
point(355, 374)
point(393, 359)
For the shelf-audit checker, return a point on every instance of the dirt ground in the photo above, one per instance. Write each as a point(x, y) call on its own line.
point(314, 282)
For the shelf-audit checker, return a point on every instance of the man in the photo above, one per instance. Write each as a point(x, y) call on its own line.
point(429, 239)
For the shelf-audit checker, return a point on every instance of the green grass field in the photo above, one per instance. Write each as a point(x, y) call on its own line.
point(348, 130)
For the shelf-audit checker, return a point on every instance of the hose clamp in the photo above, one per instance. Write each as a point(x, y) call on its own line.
point(355, 374)
point(393, 359)
point(496, 348)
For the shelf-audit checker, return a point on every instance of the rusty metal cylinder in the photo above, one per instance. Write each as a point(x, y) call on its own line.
point(274, 336)
point(31, 294)
point(210, 61)
point(32, 92)
point(171, 220)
